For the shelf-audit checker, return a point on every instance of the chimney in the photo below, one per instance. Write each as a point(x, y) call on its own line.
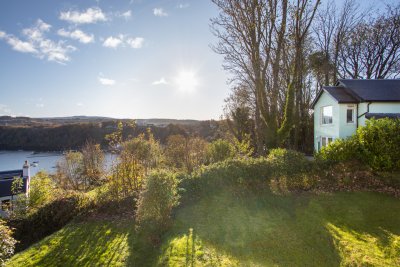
point(26, 175)
point(25, 169)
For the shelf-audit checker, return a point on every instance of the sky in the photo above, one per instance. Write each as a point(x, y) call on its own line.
point(114, 58)
point(121, 59)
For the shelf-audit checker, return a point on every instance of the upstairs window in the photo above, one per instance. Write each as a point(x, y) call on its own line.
point(326, 115)
point(350, 115)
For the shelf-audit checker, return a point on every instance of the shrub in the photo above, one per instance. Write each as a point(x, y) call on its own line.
point(156, 201)
point(235, 174)
point(220, 150)
point(287, 162)
point(7, 243)
point(380, 144)
point(377, 144)
point(41, 190)
point(47, 219)
point(291, 171)
point(185, 153)
point(340, 150)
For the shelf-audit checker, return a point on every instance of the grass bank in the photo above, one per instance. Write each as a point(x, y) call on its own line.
point(243, 228)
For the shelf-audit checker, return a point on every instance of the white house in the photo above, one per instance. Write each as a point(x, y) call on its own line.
point(339, 110)
point(6, 180)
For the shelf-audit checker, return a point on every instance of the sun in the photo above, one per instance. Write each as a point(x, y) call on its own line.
point(186, 81)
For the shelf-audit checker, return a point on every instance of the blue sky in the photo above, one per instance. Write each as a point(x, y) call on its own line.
point(123, 59)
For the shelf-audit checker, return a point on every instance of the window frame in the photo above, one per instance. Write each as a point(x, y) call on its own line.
point(322, 116)
point(326, 139)
point(353, 115)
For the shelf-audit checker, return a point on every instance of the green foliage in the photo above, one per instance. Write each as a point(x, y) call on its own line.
point(145, 150)
point(69, 171)
point(48, 218)
point(220, 150)
point(156, 201)
point(380, 144)
point(377, 145)
point(19, 203)
point(185, 153)
point(287, 162)
point(81, 170)
point(7, 243)
point(92, 165)
point(42, 190)
point(114, 139)
point(340, 150)
point(243, 147)
point(126, 177)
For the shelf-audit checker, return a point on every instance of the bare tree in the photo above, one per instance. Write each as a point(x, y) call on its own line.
point(372, 49)
point(254, 39)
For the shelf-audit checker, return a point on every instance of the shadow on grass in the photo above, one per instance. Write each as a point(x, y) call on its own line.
point(265, 229)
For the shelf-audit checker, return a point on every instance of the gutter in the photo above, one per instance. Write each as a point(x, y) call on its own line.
point(369, 103)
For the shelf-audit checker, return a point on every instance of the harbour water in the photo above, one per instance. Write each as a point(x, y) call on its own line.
point(13, 160)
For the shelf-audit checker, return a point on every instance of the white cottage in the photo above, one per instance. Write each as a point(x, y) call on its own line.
point(339, 110)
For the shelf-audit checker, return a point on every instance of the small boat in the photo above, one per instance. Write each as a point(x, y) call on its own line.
point(34, 164)
point(37, 162)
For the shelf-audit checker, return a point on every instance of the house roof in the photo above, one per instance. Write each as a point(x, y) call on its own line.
point(6, 180)
point(355, 91)
point(341, 94)
point(374, 90)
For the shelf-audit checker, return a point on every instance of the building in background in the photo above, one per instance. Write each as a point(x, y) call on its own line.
point(7, 178)
point(339, 110)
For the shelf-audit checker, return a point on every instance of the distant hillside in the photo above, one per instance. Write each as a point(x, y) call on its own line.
point(53, 121)
point(64, 133)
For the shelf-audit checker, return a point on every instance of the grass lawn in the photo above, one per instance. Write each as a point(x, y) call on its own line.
point(246, 229)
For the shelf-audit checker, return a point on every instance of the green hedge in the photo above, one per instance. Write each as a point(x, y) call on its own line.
point(377, 144)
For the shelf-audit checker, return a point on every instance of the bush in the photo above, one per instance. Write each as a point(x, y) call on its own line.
point(377, 145)
point(41, 190)
point(379, 142)
point(287, 162)
point(220, 150)
point(291, 171)
point(7, 243)
point(47, 219)
point(156, 201)
point(234, 174)
point(340, 150)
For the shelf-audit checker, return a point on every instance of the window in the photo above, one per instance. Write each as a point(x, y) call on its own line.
point(326, 115)
point(326, 141)
point(5, 204)
point(350, 115)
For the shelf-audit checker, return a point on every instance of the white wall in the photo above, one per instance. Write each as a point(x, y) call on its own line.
point(377, 107)
point(346, 129)
point(329, 130)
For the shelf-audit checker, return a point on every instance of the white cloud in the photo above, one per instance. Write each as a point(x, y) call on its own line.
point(136, 42)
point(39, 105)
point(37, 44)
point(107, 82)
point(2, 34)
point(122, 40)
point(113, 42)
point(183, 6)
point(91, 15)
point(77, 35)
point(20, 46)
point(79, 104)
point(126, 15)
point(160, 82)
point(159, 12)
